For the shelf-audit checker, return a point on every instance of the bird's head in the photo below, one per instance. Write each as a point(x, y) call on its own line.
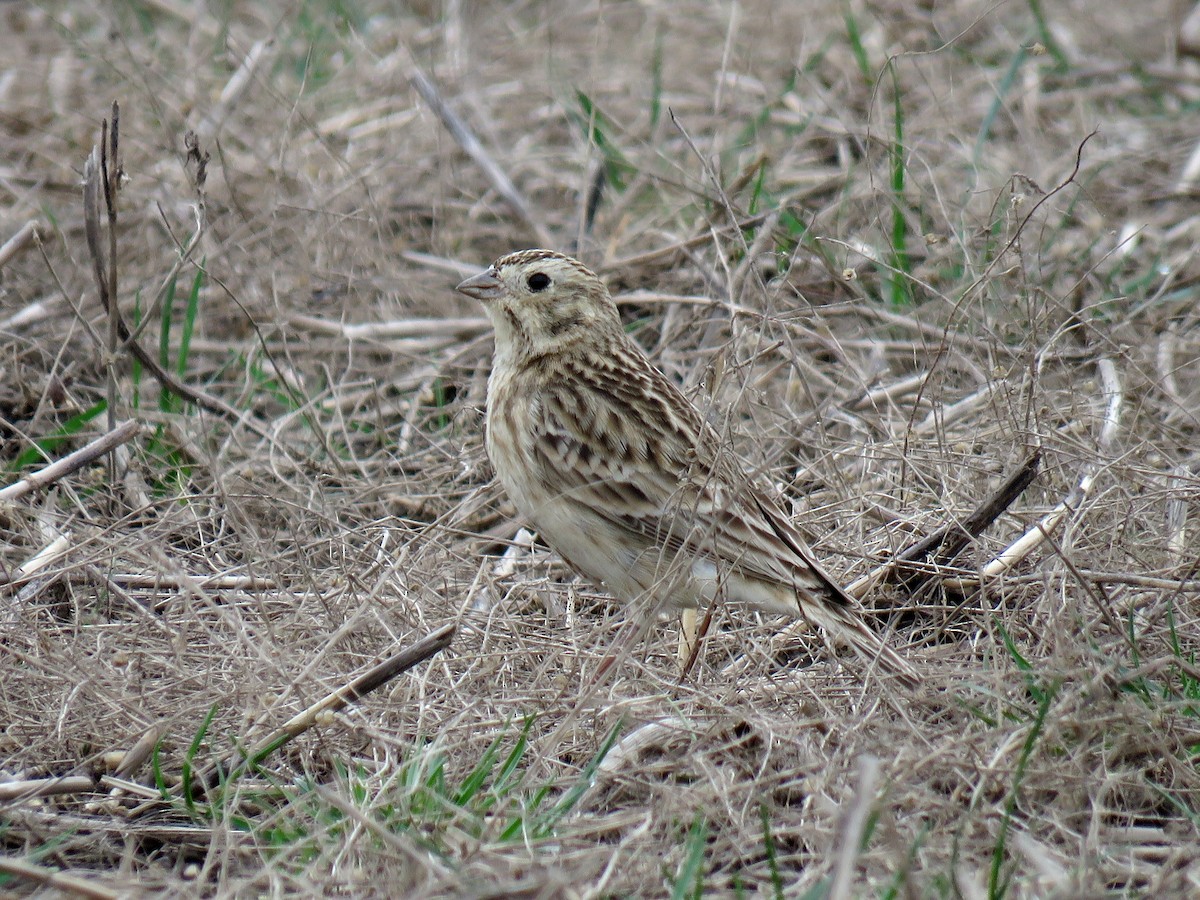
point(542, 302)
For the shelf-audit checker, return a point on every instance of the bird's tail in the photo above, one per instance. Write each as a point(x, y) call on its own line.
point(844, 623)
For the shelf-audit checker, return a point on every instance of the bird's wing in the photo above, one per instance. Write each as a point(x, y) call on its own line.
point(667, 482)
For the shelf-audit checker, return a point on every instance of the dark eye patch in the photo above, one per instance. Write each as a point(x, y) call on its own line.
point(538, 281)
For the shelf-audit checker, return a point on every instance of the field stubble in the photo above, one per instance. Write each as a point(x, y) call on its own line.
point(879, 237)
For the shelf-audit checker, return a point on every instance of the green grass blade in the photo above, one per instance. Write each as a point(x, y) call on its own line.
point(1009, 645)
point(769, 849)
point(689, 880)
point(543, 825)
point(472, 784)
point(43, 446)
point(160, 775)
point(998, 885)
point(582, 783)
point(189, 320)
point(756, 193)
point(854, 38)
point(189, 758)
point(596, 127)
point(656, 78)
point(898, 277)
point(166, 400)
point(1003, 87)
point(1046, 37)
point(504, 777)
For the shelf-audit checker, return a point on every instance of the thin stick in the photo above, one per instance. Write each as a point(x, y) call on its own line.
point(373, 678)
point(234, 88)
point(124, 788)
point(889, 392)
point(1148, 582)
point(71, 462)
point(1019, 549)
point(91, 230)
point(466, 139)
point(402, 328)
point(1110, 378)
point(69, 884)
point(681, 246)
point(59, 545)
point(18, 242)
point(35, 311)
point(190, 581)
point(110, 181)
point(45, 787)
point(946, 415)
point(948, 540)
point(1177, 513)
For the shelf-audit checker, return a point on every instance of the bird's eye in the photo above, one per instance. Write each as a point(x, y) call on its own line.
point(538, 281)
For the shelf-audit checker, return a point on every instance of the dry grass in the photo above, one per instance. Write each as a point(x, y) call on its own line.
point(1053, 751)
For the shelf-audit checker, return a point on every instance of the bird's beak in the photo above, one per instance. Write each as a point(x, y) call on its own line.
point(484, 287)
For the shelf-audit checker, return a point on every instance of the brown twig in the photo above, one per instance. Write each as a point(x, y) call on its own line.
point(24, 237)
point(110, 169)
point(662, 253)
point(465, 138)
point(45, 787)
point(1041, 530)
point(948, 541)
point(373, 678)
point(907, 568)
point(71, 462)
point(58, 881)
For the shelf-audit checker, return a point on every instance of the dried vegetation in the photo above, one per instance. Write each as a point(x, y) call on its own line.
point(879, 235)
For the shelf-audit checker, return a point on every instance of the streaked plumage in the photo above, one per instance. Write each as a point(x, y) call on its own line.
point(618, 470)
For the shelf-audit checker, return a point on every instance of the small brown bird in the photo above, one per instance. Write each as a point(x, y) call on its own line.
point(620, 473)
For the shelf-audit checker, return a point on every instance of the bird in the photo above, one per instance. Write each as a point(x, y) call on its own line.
point(621, 474)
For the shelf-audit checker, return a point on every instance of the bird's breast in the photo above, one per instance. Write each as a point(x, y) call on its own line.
point(511, 411)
